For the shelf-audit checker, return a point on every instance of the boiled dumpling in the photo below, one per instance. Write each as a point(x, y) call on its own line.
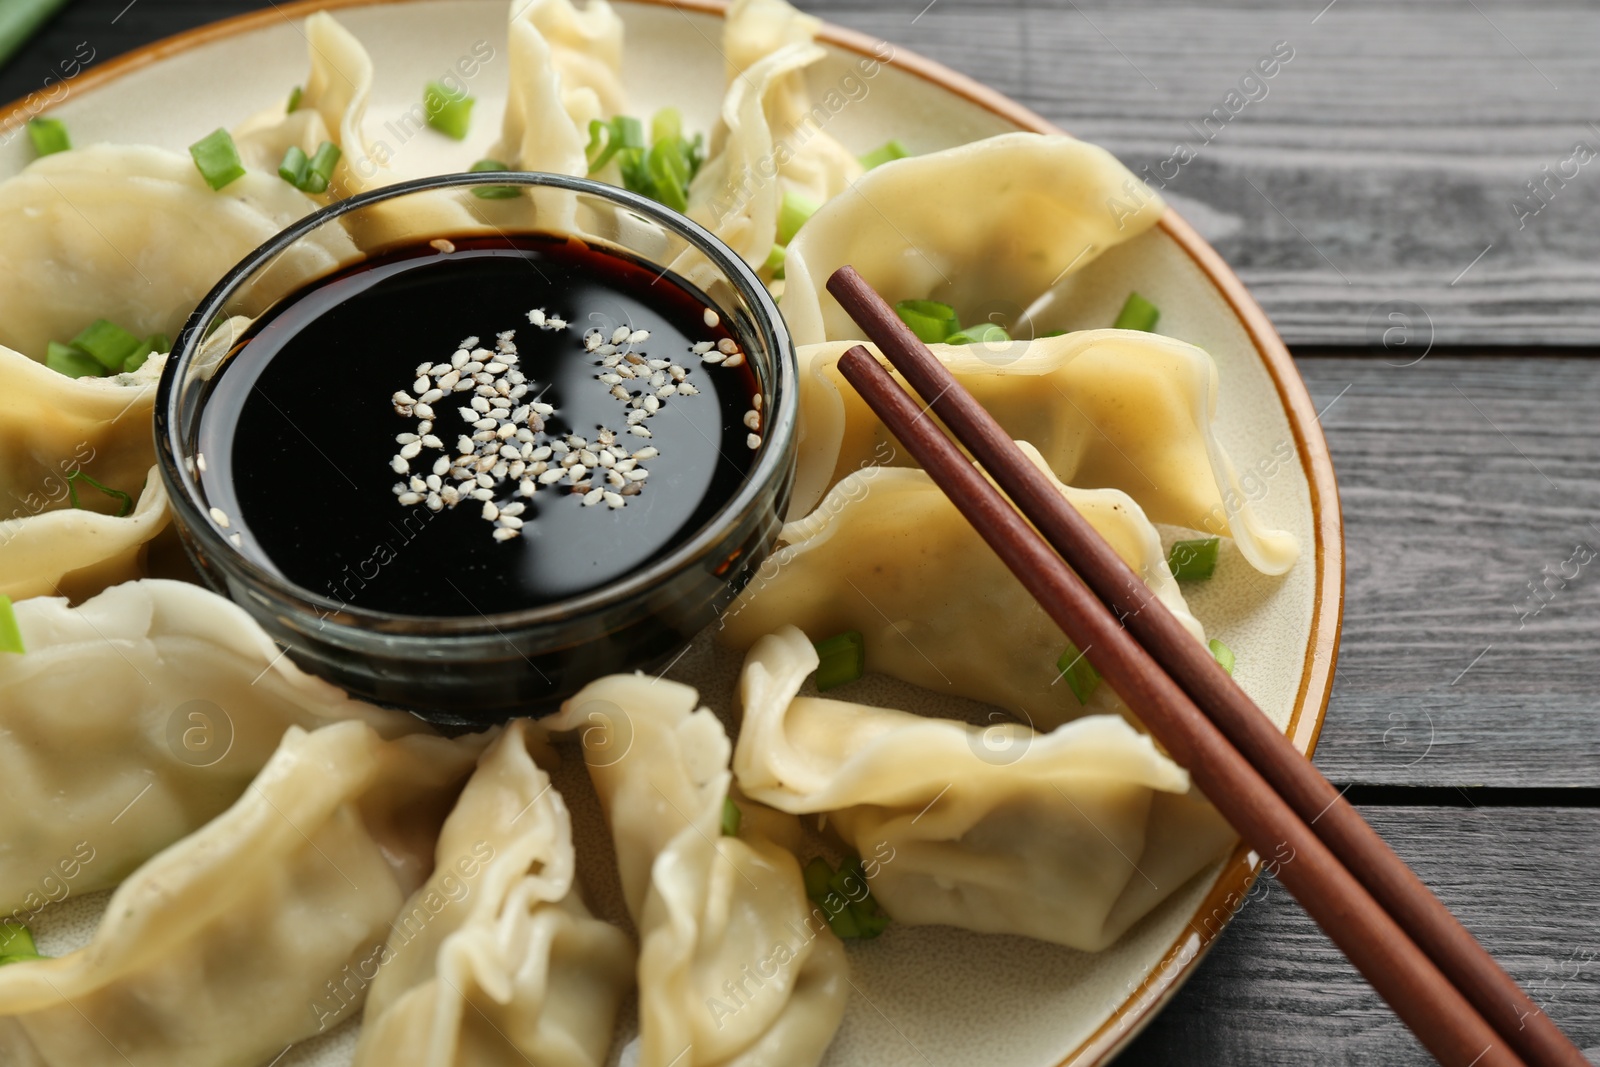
point(989, 225)
point(133, 234)
point(887, 554)
point(75, 552)
point(711, 910)
point(258, 930)
point(133, 719)
point(496, 961)
point(1069, 836)
point(1106, 408)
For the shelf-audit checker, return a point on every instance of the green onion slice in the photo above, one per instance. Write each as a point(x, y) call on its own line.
point(988, 333)
point(774, 263)
point(49, 136)
point(816, 876)
point(217, 158)
point(10, 641)
point(1193, 561)
point(107, 342)
point(1137, 314)
point(319, 170)
point(1222, 653)
point(294, 99)
point(606, 139)
point(116, 494)
point(155, 343)
point(72, 362)
point(930, 320)
point(294, 166)
point(492, 192)
point(731, 817)
point(887, 152)
point(1080, 674)
point(796, 209)
point(449, 112)
point(16, 940)
point(844, 659)
point(845, 898)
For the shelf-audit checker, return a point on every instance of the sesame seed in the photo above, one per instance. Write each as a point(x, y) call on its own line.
point(626, 465)
point(512, 509)
point(421, 385)
point(441, 466)
point(430, 441)
point(552, 476)
point(638, 337)
point(559, 447)
point(557, 322)
point(464, 445)
point(677, 373)
point(651, 404)
point(755, 401)
point(607, 460)
point(483, 378)
point(500, 471)
point(541, 453)
point(754, 441)
point(620, 335)
point(536, 316)
point(614, 500)
point(510, 522)
point(752, 419)
point(636, 360)
point(450, 495)
point(485, 481)
point(424, 411)
point(593, 497)
point(495, 368)
point(432, 396)
point(220, 517)
point(459, 360)
point(640, 431)
point(521, 414)
point(658, 379)
point(411, 451)
point(435, 502)
point(591, 340)
point(434, 482)
point(467, 414)
point(402, 398)
point(735, 360)
point(483, 494)
point(711, 318)
point(237, 539)
point(516, 469)
point(501, 402)
point(505, 534)
point(610, 379)
point(490, 512)
point(619, 392)
point(544, 409)
point(702, 347)
point(527, 488)
point(486, 424)
point(714, 357)
point(442, 244)
point(666, 391)
point(689, 389)
point(425, 427)
point(727, 346)
point(405, 438)
point(422, 368)
point(449, 380)
point(631, 489)
point(399, 465)
point(418, 484)
point(647, 453)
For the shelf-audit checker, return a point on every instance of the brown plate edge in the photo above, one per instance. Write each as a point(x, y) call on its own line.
point(1232, 886)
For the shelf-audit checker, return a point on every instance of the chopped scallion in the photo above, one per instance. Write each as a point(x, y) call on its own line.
point(660, 168)
point(606, 139)
point(884, 153)
point(774, 263)
point(10, 641)
point(816, 876)
point(988, 333)
point(796, 209)
point(731, 817)
point(294, 99)
point(1080, 674)
point(845, 899)
point(74, 363)
point(319, 172)
point(108, 343)
point(217, 158)
point(1137, 314)
point(492, 192)
point(116, 494)
point(449, 111)
point(1222, 654)
point(294, 166)
point(844, 659)
point(49, 136)
point(156, 342)
point(16, 940)
point(930, 320)
point(1193, 561)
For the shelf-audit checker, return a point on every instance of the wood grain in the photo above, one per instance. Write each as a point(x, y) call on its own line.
point(1275, 991)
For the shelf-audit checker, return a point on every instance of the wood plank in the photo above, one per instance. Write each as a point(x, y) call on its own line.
point(1463, 480)
point(1274, 990)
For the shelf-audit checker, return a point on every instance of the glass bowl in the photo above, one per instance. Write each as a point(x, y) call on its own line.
point(461, 670)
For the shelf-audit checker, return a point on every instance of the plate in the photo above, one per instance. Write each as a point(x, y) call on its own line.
point(922, 994)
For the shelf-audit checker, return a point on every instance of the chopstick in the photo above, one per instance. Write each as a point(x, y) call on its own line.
point(1437, 1010)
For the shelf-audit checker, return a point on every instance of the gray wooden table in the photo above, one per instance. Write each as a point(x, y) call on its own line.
point(1385, 168)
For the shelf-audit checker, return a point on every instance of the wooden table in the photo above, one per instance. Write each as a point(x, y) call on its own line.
point(1383, 172)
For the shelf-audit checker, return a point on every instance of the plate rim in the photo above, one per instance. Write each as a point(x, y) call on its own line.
point(1232, 884)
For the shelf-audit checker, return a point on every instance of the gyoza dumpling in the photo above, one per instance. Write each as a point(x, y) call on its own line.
point(260, 929)
point(991, 224)
point(496, 961)
point(76, 553)
point(1070, 836)
point(133, 719)
point(566, 72)
point(713, 912)
point(768, 140)
point(887, 554)
point(1113, 409)
point(133, 234)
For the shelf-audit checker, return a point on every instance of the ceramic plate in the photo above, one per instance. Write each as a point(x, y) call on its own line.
point(921, 994)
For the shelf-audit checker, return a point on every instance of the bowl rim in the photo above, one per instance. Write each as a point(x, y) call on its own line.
point(1240, 870)
point(776, 455)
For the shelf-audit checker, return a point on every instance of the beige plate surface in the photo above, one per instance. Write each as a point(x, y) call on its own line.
point(924, 995)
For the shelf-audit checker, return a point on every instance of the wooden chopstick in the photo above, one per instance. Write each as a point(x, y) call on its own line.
point(1431, 1006)
point(1512, 1013)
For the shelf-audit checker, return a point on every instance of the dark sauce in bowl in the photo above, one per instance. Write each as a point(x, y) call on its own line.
point(301, 431)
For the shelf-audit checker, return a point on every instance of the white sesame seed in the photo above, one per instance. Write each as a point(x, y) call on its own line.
point(614, 500)
point(484, 378)
point(619, 392)
point(650, 452)
point(677, 373)
point(651, 404)
point(541, 453)
point(588, 458)
point(411, 451)
point(626, 465)
point(578, 475)
point(593, 497)
point(200, 460)
point(402, 398)
point(557, 322)
point(735, 360)
point(459, 360)
point(442, 244)
point(467, 414)
point(607, 460)
point(638, 474)
point(424, 411)
point(525, 435)
point(450, 380)
point(574, 441)
point(434, 482)
point(666, 391)
point(421, 385)
point(422, 368)
point(504, 534)
point(755, 401)
point(490, 512)
point(470, 342)
point(399, 465)
point(483, 494)
point(635, 359)
point(754, 441)
point(425, 427)
point(638, 337)
point(432, 396)
point(464, 445)
point(430, 441)
point(702, 347)
point(486, 424)
point(485, 480)
point(405, 438)
point(711, 318)
point(624, 371)
point(495, 368)
point(552, 476)
point(502, 403)
point(591, 340)
point(398, 488)
point(418, 484)
point(607, 350)
point(512, 509)
point(465, 385)
point(559, 448)
point(527, 488)
point(616, 479)
point(410, 499)
point(543, 409)
point(435, 502)
point(220, 517)
point(481, 437)
point(517, 392)
point(509, 452)
point(689, 389)
point(620, 335)
point(536, 316)
point(516, 377)
point(450, 495)
point(610, 379)
point(727, 346)
point(640, 431)
point(714, 357)
point(517, 468)
point(521, 414)
point(752, 419)
point(500, 471)
point(441, 466)
point(510, 522)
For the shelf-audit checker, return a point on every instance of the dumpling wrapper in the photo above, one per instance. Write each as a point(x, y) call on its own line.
point(992, 224)
point(76, 553)
point(1114, 409)
point(887, 554)
point(219, 949)
point(132, 720)
point(495, 961)
point(1070, 836)
point(133, 234)
point(715, 914)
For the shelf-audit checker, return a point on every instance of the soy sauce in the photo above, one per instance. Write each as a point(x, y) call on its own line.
point(299, 431)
